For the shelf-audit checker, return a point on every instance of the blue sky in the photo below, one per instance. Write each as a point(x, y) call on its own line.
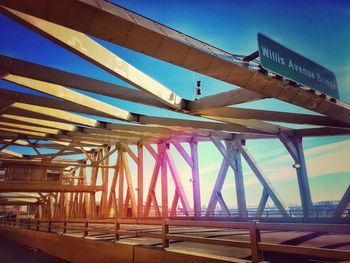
point(319, 30)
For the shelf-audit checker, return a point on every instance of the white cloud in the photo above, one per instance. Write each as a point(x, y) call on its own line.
point(320, 160)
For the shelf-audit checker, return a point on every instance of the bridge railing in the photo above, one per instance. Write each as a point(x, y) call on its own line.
point(163, 230)
point(268, 213)
point(271, 213)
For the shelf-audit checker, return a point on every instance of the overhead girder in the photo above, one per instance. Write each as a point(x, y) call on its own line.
point(47, 74)
point(253, 124)
point(46, 113)
point(274, 116)
point(12, 153)
point(9, 118)
point(25, 132)
point(71, 96)
point(322, 131)
point(213, 105)
point(29, 127)
point(54, 103)
point(250, 123)
point(141, 119)
point(169, 45)
point(163, 121)
point(227, 98)
point(89, 49)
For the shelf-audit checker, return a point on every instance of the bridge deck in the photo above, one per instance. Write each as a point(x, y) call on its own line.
point(10, 251)
point(310, 239)
point(105, 233)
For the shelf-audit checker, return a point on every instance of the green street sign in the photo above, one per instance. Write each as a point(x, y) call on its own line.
point(287, 63)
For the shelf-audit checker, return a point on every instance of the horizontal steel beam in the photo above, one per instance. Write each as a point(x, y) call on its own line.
point(18, 197)
point(70, 95)
point(12, 203)
point(275, 116)
point(323, 131)
point(87, 48)
point(46, 188)
point(39, 72)
point(25, 98)
point(232, 97)
point(161, 42)
point(219, 126)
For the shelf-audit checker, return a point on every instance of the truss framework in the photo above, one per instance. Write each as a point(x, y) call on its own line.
point(60, 123)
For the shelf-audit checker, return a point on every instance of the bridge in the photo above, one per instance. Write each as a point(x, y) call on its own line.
point(104, 182)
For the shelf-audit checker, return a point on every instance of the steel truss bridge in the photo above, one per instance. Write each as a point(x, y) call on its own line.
point(94, 189)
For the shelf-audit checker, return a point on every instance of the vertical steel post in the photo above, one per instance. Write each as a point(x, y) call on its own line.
point(295, 148)
point(238, 172)
point(121, 184)
point(130, 194)
point(303, 180)
point(232, 158)
point(164, 180)
point(195, 178)
point(105, 175)
point(140, 180)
